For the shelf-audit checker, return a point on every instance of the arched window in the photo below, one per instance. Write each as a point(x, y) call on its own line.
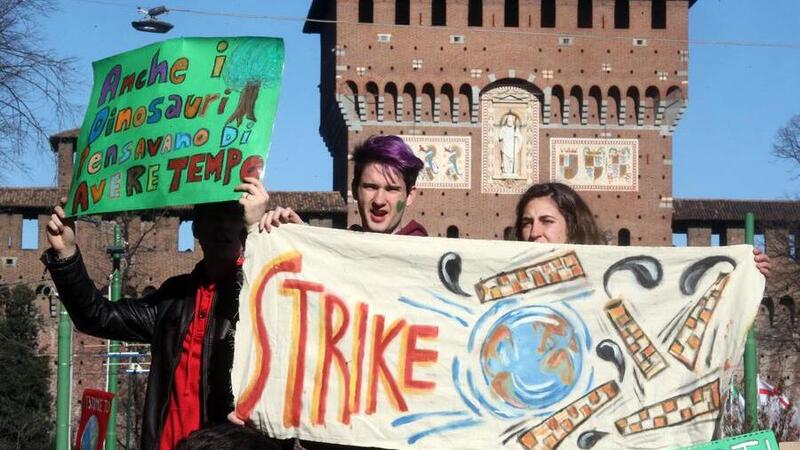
point(475, 13)
point(557, 103)
point(43, 290)
point(595, 105)
point(465, 102)
point(769, 305)
point(622, 14)
point(613, 105)
point(624, 237)
point(576, 104)
point(365, 10)
point(653, 101)
point(548, 13)
point(658, 14)
point(446, 99)
point(351, 101)
point(584, 13)
point(428, 99)
point(633, 105)
point(409, 101)
point(673, 106)
point(390, 100)
point(788, 302)
point(452, 231)
point(439, 13)
point(511, 13)
point(372, 101)
point(402, 12)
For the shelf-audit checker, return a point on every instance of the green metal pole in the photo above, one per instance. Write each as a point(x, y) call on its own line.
point(750, 350)
point(128, 414)
point(113, 347)
point(64, 380)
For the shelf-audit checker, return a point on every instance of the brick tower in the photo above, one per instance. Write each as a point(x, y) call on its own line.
point(495, 95)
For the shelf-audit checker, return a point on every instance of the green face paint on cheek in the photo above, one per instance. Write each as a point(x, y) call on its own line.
point(401, 205)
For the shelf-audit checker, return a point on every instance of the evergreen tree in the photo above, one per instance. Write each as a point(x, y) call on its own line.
point(26, 420)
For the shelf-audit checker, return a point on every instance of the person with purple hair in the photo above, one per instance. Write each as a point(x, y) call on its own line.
point(384, 173)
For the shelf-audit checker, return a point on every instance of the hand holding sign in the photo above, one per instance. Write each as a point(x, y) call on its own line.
point(61, 234)
point(254, 200)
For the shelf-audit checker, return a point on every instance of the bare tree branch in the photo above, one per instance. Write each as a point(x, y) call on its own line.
point(33, 82)
point(787, 141)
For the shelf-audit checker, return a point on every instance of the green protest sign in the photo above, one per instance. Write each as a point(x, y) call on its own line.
point(760, 440)
point(177, 122)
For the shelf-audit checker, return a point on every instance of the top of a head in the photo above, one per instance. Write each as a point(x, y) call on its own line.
point(552, 189)
point(227, 436)
point(387, 150)
point(217, 209)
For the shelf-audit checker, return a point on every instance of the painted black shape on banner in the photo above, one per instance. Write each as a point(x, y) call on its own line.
point(608, 350)
point(643, 268)
point(450, 271)
point(691, 276)
point(588, 439)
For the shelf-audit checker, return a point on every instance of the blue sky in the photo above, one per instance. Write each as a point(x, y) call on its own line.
point(738, 95)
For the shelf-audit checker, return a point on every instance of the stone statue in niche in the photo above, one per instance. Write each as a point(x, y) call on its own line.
point(510, 139)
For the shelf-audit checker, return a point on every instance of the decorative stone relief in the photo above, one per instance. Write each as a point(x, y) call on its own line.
point(595, 164)
point(446, 159)
point(509, 140)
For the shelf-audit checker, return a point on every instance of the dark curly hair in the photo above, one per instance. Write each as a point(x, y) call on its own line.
point(227, 436)
point(581, 227)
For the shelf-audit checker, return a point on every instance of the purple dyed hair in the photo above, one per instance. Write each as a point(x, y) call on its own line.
point(388, 150)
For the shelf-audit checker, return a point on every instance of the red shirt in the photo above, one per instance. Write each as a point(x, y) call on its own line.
point(183, 409)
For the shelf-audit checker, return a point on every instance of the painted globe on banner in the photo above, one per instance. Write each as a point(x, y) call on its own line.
point(532, 358)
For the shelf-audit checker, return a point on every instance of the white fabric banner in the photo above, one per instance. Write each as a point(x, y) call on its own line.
point(430, 343)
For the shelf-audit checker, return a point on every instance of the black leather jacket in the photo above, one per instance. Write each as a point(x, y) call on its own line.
point(162, 320)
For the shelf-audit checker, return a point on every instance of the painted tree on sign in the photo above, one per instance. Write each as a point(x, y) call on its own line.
point(252, 64)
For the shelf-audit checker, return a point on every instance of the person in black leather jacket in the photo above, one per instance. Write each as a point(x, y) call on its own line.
point(182, 334)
